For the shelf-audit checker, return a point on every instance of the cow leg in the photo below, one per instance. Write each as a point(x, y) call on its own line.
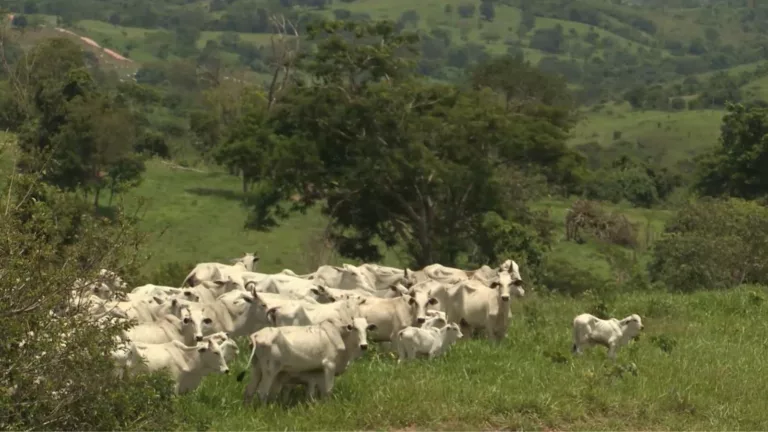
point(252, 386)
point(269, 374)
point(329, 370)
point(612, 352)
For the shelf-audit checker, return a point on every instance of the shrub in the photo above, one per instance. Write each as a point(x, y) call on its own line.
point(588, 217)
point(56, 373)
point(713, 244)
point(559, 276)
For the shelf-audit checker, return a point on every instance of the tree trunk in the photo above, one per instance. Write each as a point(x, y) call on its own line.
point(96, 195)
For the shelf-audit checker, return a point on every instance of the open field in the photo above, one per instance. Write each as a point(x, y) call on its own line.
point(695, 370)
point(681, 134)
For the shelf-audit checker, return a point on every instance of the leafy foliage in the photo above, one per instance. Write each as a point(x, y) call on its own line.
point(713, 244)
point(737, 167)
point(57, 372)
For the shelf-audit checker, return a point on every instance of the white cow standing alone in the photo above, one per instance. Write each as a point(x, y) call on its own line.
point(589, 330)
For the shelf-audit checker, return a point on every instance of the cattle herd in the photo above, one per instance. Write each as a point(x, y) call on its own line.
point(307, 329)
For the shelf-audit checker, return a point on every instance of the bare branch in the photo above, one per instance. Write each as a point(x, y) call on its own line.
point(284, 57)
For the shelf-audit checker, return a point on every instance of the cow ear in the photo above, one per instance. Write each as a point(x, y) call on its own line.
point(271, 315)
point(158, 300)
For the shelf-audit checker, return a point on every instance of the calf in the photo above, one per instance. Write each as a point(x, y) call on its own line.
point(430, 341)
point(589, 330)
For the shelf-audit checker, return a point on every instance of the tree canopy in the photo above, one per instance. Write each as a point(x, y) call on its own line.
point(396, 158)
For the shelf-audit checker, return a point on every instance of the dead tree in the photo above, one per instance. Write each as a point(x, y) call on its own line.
point(285, 42)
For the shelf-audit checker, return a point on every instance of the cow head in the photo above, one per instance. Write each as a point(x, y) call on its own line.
point(507, 286)
point(253, 316)
point(396, 290)
point(632, 326)
point(418, 301)
point(227, 345)
point(190, 296)
point(222, 285)
point(453, 332)
point(321, 294)
point(435, 319)
point(212, 357)
point(353, 278)
point(360, 327)
point(248, 260)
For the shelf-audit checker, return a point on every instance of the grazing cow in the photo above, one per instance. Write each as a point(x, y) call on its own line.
point(477, 306)
point(291, 287)
point(167, 329)
point(589, 330)
point(346, 277)
point(296, 350)
point(210, 271)
point(392, 315)
point(187, 364)
point(430, 341)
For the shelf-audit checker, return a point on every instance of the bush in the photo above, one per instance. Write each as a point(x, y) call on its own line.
point(587, 217)
point(559, 276)
point(57, 373)
point(713, 244)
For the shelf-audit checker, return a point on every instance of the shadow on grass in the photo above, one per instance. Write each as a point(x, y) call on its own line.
point(219, 193)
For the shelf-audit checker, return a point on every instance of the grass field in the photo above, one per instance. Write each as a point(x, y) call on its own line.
point(695, 368)
point(682, 134)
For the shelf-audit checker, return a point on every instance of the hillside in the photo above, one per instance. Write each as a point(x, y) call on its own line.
point(594, 43)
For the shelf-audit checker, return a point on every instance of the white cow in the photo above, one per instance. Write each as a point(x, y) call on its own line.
point(439, 273)
point(477, 306)
point(316, 380)
point(346, 277)
point(431, 341)
point(187, 364)
point(589, 330)
point(298, 314)
point(382, 277)
point(296, 350)
point(167, 329)
point(210, 271)
point(291, 287)
point(392, 315)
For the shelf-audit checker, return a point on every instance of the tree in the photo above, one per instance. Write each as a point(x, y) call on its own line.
point(75, 133)
point(736, 167)
point(391, 156)
point(56, 372)
point(487, 11)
